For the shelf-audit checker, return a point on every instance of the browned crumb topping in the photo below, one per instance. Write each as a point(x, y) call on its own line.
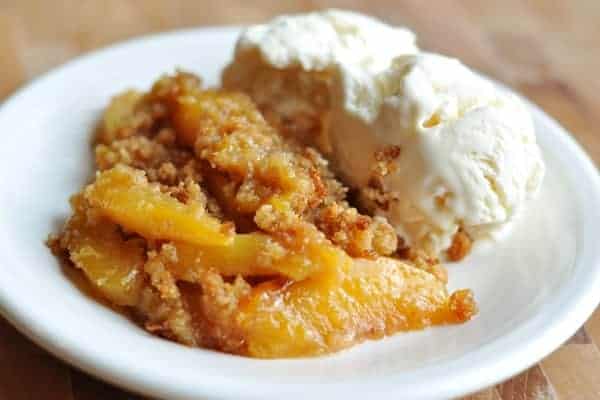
point(361, 236)
point(217, 304)
point(294, 101)
point(460, 247)
point(425, 261)
point(177, 321)
point(462, 304)
point(385, 160)
point(374, 196)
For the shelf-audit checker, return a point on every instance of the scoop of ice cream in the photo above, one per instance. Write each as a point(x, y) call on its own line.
point(289, 64)
point(320, 40)
point(435, 148)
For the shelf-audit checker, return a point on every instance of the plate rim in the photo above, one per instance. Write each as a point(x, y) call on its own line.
point(498, 368)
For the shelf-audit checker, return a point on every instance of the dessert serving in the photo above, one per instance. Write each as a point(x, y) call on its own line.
point(303, 207)
point(439, 151)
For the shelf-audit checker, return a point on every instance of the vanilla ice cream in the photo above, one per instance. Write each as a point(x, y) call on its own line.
point(320, 40)
point(288, 65)
point(436, 148)
point(425, 141)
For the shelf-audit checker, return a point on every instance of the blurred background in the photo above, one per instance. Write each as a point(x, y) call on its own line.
point(547, 50)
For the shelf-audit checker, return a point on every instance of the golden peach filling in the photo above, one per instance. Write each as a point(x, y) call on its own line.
point(212, 229)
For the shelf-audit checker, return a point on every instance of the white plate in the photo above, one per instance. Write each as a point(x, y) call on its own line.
point(534, 290)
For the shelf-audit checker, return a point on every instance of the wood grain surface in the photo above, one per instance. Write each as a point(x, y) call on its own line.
point(547, 50)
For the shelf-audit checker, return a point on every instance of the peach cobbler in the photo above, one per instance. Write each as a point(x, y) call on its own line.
point(211, 229)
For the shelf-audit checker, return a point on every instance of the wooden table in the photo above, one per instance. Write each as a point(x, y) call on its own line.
point(547, 50)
